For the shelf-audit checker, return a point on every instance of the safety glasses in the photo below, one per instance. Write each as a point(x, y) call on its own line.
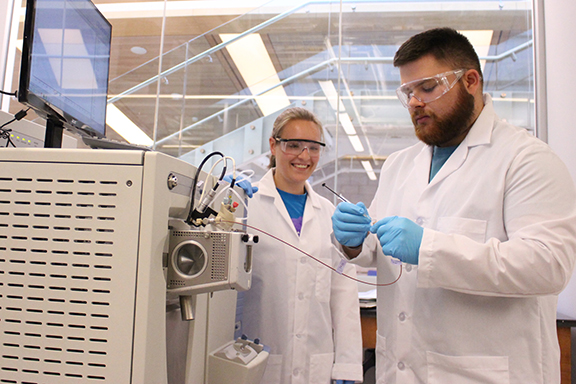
point(429, 88)
point(296, 146)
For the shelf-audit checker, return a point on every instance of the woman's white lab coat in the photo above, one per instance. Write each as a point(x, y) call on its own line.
point(307, 314)
point(499, 244)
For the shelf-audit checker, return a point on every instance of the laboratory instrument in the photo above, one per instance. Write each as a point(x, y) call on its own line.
point(89, 238)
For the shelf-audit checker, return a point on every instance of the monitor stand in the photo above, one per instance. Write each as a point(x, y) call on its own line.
point(54, 132)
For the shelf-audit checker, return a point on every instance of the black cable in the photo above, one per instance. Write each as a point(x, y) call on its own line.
point(21, 114)
point(18, 116)
point(223, 172)
point(188, 220)
point(15, 93)
point(5, 133)
point(9, 122)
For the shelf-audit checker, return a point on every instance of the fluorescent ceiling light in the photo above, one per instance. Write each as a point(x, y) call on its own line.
point(149, 9)
point(356, 143)
point(337, 105)
point(347, 124)
point(186, 8)
point(332, 96)
point(119, 122)
point(369, 170)
point(481, 41)
point(253, 61)
point(129, 10)
point(196, 8)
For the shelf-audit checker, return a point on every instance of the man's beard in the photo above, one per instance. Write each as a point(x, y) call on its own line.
point(442, 130)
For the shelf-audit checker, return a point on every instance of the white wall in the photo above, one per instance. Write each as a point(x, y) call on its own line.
point(560, 77)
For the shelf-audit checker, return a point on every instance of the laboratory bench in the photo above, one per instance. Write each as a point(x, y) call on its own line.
point(563, 323)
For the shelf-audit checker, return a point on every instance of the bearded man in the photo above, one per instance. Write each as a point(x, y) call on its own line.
point(479, 221)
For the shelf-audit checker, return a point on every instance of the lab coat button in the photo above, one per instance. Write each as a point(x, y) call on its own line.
point(301, 296)
point(408, 267)
point(295, 372)
point(401, 366)
point(303, 260)
point(420, 221)
point(402, 316)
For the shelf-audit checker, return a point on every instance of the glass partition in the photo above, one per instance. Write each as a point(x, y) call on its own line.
point(226, 71)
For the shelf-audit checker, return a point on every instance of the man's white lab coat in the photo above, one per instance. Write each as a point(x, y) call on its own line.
point(307, 314)
point(499, 244)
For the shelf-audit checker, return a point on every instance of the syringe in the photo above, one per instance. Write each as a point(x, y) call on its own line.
point(341, 197)
point(336, 193)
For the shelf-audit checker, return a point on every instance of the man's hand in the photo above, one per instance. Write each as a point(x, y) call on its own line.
point(350, 224)
point(399, 238)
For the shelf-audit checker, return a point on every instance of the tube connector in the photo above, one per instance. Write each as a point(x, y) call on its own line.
point(207, 200)
point(209, 220)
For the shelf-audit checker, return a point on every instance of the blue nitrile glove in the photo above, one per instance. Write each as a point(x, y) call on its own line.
point(344, 381)
point(399, 238)
point(248, 188)
point(350, 223)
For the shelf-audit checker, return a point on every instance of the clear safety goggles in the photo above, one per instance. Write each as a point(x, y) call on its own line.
point(429, 88)
point(297, 146)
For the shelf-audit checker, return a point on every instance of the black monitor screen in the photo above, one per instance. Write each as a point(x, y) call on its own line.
point(65, 63)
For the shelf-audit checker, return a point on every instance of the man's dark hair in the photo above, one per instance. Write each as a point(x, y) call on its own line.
point(444, 44)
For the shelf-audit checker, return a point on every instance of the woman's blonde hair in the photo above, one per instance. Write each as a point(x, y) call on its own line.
point(295, 113)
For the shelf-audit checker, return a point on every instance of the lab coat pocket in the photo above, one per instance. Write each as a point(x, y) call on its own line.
point(321, 368)
point(472, 228)
point(323, 283)
point(444, 369)
point(380, 359)
point(273, 371)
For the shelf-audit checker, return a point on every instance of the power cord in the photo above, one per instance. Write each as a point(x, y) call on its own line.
point(5, 133)
point(15, 93)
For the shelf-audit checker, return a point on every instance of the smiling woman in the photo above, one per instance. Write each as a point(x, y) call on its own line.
point(295, 146)
point(308, 315)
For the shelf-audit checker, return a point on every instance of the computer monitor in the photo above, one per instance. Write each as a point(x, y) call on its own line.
point(65, 66)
